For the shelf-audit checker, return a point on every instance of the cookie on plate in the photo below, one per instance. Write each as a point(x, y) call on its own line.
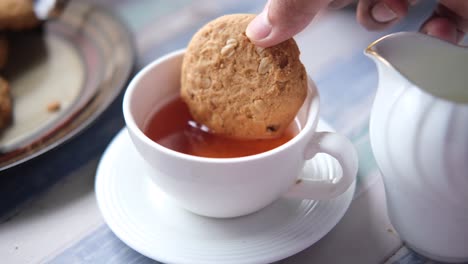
point(5, 104)
point(17, 15)
point(237, 89)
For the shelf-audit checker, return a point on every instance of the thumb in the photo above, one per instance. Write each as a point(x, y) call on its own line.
point(281, 20)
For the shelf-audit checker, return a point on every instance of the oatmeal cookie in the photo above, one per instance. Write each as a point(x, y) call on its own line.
point(237, 89)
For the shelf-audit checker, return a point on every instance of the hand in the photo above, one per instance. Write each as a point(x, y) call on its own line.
point(282, 19)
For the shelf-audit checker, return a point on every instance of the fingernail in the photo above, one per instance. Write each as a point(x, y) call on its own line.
point(259, 28)
point(382, 13)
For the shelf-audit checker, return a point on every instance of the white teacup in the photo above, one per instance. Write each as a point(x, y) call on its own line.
point(230, 187)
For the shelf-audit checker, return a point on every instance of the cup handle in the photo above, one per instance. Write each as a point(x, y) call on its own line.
point(343, 151)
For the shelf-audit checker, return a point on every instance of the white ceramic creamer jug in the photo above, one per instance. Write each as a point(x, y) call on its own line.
point(419, 136)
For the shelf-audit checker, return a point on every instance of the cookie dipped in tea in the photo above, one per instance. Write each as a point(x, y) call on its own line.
point(237, 89)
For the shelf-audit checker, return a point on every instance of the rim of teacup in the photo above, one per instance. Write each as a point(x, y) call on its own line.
point(312, 117)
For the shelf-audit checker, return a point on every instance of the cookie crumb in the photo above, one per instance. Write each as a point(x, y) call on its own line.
point(53, 106)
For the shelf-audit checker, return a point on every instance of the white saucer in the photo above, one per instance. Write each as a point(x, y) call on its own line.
point(147, 221)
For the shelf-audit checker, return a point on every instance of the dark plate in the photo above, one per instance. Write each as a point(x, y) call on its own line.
point(80, 60)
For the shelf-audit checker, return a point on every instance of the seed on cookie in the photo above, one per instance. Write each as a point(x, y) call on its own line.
point(228, 50)
point(259, 106)
point(264, 66)
point(231, 42)
point(259, 50)
point(205, 82)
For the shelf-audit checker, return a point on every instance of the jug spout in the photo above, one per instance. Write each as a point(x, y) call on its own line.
point(433, 65)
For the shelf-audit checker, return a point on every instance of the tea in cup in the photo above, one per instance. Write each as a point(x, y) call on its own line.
point(220, 177)
point(182, 133)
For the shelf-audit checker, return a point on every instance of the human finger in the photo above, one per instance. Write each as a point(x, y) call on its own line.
point(381, 14)
point(449, 21)
point(281, 20)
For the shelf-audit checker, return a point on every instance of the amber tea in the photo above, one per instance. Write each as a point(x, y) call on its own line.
point(173, 127)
